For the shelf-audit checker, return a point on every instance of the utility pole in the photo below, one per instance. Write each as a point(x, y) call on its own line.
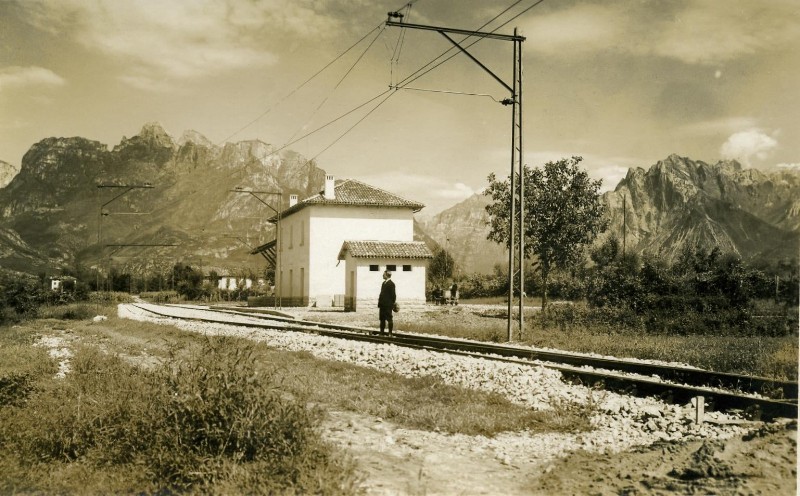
point(118, 247)
point(516, 252)
point(624, 223)
point(279, 301)
point(126, 189)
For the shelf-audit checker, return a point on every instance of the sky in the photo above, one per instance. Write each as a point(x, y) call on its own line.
point(622, 83)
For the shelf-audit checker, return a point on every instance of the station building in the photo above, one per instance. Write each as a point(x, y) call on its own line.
point(331, 249)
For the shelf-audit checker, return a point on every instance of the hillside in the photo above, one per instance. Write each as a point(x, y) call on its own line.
point(50, 211)
point(462, 230)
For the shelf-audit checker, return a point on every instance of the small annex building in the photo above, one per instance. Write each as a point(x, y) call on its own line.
point(332, 248)
point(365, 262)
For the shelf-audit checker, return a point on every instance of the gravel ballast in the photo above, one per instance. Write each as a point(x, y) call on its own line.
point(621, 422)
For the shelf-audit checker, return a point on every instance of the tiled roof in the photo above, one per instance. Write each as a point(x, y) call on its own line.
point(385, 249)
point(354, 193)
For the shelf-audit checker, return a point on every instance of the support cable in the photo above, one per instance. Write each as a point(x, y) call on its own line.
point(409, 79)
point(297, 88)
point(389, 95)
point(332, 91)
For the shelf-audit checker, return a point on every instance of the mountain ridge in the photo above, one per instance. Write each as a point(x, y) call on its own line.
point(674, 204)
point(52, 206)
point(51, 216)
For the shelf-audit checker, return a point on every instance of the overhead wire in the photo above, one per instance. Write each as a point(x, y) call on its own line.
point(387, 93)
point(300, 86)
point(414, 76)
point(408, 80)
point(333, 90)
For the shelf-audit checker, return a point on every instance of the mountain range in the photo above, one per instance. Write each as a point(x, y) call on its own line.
point(675, 204)
point(72, 198)
point(77, 202)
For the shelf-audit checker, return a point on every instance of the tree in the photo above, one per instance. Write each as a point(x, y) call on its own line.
point(563, 214)
point(441, 267)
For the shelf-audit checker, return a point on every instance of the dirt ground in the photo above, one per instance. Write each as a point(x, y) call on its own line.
point(761, 463)
point(400, 461)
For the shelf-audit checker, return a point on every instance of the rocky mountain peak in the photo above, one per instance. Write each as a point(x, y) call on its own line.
point(154, 132)
point(152, 143)
point(192, 136)
point(7, 173)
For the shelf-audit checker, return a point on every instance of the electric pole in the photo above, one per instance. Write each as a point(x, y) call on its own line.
point(278, 248)
point(516, 252)
point(126, 189)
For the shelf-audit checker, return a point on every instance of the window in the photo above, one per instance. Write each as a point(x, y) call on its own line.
point(291, 236)
point(391, 268)
point(406, 268)
point(373, 268)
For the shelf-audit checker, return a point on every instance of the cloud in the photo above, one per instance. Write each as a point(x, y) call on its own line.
point(704, 32)
point(748, 145)
point(792, 167)
point(161, 44)
point(710, 32)
point(436, 193)
point(581, 29)
point(24, 77)
point(726, 125)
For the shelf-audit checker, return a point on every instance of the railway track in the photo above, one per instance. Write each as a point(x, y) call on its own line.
point(758, 397)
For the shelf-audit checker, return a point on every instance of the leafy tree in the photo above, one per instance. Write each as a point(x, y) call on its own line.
point(563, 214)
point(441, 268)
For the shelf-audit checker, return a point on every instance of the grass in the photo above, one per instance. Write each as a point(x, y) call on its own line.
point(766, 356)
point(210, 422)
point(151, 409)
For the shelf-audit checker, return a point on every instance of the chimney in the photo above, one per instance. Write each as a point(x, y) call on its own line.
point(329, 193)
point(292, 200)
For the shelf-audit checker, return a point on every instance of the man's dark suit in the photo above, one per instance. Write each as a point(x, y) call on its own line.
point(386, 302)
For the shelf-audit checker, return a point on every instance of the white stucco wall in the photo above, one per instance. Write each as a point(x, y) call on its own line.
point(324, 229)
point(293, 256)
point(409, 285)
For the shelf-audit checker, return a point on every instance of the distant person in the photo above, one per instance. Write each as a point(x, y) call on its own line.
point(386, 302)
point(454, 293)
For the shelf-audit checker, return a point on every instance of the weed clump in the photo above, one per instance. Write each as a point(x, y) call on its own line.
point(209, 422)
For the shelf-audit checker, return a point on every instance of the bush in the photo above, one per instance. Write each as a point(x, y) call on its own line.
point(210, 422)
point(109, 297)
point(75, 311)
point(162, 297)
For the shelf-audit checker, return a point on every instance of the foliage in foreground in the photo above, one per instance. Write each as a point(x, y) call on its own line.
point(211, 423)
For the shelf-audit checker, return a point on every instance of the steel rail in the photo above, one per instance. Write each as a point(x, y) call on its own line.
point(772, 388)
point(756, 407)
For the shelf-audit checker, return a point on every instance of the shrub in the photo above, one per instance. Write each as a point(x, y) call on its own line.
point(109, 297)
point(14, 389)
point(209, 422)
point(74, 311)
point(162, 296)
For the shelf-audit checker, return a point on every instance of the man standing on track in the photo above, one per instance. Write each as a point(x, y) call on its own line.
point(386, 302)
